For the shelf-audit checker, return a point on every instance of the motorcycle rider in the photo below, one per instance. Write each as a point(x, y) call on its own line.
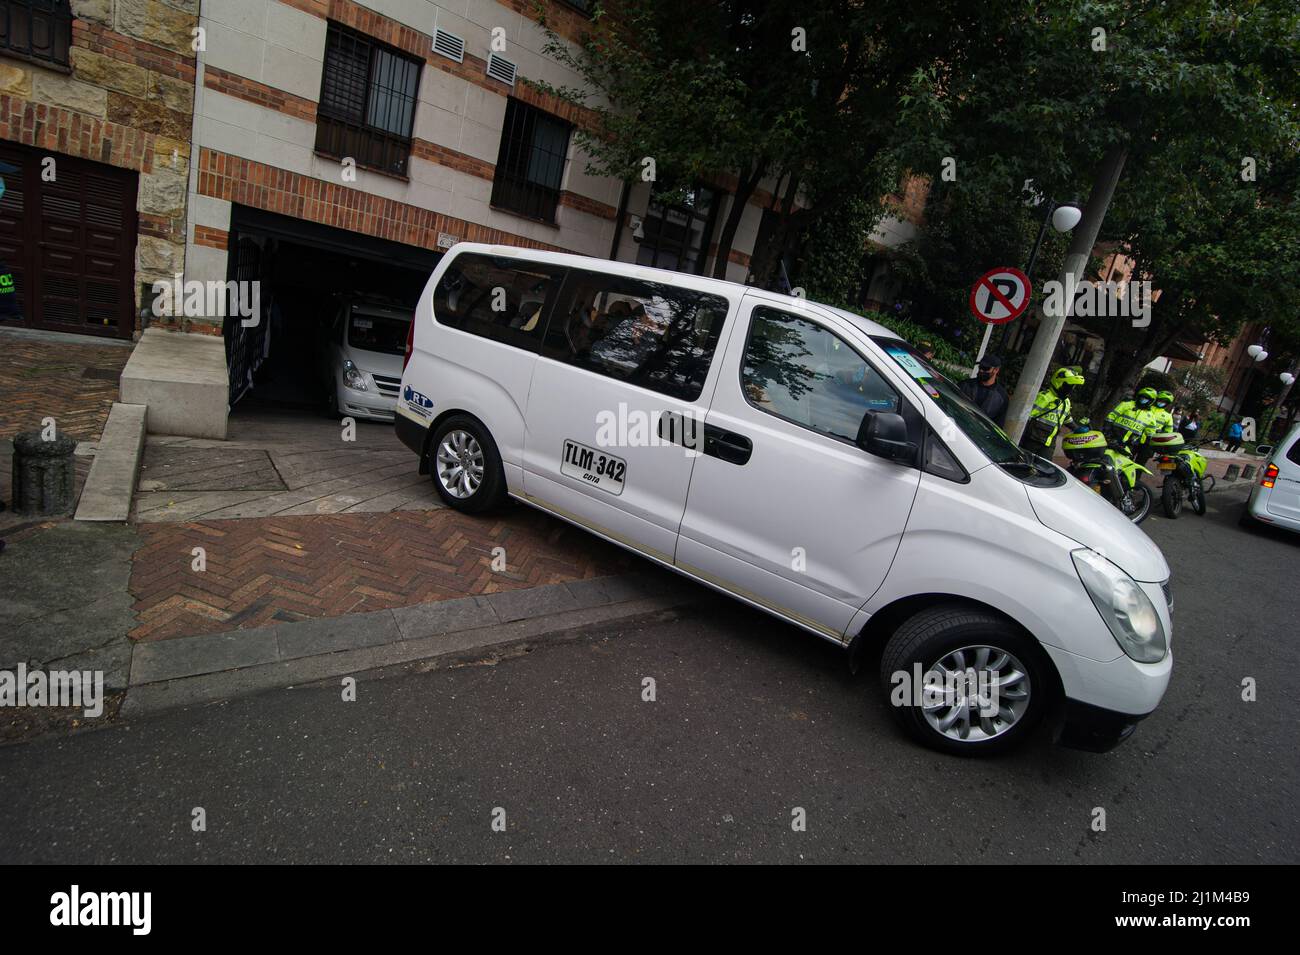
point(1051, 411)
point(1132, 422)
point(1162, 412)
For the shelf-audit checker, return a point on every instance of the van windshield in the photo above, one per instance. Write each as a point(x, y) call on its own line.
point(992, 440)
point(373, 330)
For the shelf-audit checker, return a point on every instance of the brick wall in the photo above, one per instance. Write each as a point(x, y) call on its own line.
point(127, 101)
point(234, 179)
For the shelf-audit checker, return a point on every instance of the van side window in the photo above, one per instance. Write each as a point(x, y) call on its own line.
point(1293, 452)
point(504, 300)
point(799, 371)
point(650, 334)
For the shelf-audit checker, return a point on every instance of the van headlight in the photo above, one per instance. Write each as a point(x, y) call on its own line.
point(1124, 606)
point(352, 377)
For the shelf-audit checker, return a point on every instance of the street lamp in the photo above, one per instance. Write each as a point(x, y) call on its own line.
point(1063, 216)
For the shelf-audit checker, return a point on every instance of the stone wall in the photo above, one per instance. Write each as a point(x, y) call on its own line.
point(128, 101)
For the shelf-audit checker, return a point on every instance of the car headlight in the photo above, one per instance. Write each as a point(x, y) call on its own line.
point(352, 377)
point(1125, 607)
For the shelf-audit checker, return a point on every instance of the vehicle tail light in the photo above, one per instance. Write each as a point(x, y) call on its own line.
point(1269, 476)
point(410, 345)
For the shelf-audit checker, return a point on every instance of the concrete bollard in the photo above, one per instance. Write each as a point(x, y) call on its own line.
point(44, 474)
point(1248, 472)
point(1232, 472)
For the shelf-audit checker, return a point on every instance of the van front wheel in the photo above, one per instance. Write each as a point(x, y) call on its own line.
point(466, 467)
point(965, 681)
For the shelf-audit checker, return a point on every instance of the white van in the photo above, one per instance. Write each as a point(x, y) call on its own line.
point(1275, 498)
point(808, 462)
point(362, 358)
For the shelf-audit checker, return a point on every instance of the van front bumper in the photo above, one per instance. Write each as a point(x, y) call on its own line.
point(1094, 728)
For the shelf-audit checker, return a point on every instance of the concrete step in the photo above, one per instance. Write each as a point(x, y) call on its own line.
point(111, 482)
point(182, 377)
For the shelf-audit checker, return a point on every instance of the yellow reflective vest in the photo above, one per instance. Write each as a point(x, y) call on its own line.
point(1135, 423)
point(1046, 418)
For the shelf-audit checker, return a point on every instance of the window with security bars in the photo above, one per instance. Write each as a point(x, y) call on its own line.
point(39, 30)
point(530, 164)
point(367, 102)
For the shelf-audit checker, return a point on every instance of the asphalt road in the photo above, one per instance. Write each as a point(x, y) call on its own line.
point(752, 719)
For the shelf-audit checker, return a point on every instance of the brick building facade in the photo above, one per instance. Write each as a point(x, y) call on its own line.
point(96, 111)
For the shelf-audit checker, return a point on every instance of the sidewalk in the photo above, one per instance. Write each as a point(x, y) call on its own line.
point(321, 554)
point(70, 378)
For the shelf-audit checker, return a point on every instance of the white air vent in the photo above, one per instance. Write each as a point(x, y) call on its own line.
point(449, 45)
point(499, 68)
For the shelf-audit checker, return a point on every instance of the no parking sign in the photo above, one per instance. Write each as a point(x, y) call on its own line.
point(1000, 295)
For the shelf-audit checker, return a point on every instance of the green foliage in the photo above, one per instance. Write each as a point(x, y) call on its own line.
point(1197, 387)
point(945, 352)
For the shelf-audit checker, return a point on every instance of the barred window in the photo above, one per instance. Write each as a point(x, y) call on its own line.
point(530, 164)
point(38, 30)
point(367, 101)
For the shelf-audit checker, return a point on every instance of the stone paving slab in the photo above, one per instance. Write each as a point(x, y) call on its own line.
point(280, 464)
point(267, 571)
point(216, 653)
point(146, 698)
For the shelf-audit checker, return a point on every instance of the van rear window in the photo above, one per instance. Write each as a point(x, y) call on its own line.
point(501, 299)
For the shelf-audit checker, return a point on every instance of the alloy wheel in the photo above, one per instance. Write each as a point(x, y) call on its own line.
point(981, 693)
point(460, 464)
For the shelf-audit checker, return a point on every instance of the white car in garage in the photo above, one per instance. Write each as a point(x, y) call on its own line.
point(363, 358)
point(1275, 498)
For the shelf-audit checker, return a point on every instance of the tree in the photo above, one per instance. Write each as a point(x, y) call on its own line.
point(803, 94)
point(1188, 91)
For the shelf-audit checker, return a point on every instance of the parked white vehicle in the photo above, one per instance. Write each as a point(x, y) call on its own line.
point(1275, 498)
point(808, 462)
point(363, 359)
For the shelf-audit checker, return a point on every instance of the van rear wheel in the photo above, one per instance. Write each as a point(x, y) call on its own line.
point(466, 465)
point(983, 685)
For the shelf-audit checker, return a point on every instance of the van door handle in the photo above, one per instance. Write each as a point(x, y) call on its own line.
point(727, 445)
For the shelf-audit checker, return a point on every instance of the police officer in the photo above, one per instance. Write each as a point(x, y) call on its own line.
point(1133, 421)
point(1162, 412)
point(1051, 412)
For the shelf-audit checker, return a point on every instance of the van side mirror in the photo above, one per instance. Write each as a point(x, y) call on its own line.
point(884, 433)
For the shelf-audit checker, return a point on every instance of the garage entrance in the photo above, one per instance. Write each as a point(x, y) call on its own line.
point(312, 278)
point(69, 242)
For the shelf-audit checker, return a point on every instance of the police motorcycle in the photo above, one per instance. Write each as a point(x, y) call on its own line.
point(1109, 471)
point(1184, 469)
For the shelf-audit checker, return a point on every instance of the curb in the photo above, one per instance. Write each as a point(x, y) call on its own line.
point(110, 485)
point(203, 669)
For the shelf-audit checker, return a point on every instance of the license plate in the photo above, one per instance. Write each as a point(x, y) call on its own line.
point(593, 466)
point(1166, 466)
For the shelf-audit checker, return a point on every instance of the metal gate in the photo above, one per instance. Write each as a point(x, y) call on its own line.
point(68, 234)
point(245, 344)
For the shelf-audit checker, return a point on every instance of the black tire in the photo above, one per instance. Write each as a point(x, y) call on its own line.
point(1198, 498)
point(491, 489)
point(1142, 498)
point(1171, 496)
point(931, 635)
point(1244, 519)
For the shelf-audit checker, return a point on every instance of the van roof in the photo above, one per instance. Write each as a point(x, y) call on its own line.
point(698, 282)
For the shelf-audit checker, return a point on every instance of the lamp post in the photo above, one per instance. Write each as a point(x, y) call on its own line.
point(1255, 353)
point(1063, 216)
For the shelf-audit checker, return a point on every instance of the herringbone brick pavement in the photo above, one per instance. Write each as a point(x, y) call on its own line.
point(266, 570)
point(40, 379)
